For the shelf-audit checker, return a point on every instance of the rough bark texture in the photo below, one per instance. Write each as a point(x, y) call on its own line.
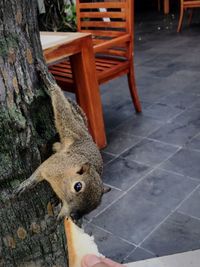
point(29, 234)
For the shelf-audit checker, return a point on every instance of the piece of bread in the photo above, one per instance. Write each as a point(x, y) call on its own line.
point(79, 243)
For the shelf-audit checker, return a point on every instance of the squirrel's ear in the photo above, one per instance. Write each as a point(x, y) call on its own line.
point(106, 189)
point(84, 168)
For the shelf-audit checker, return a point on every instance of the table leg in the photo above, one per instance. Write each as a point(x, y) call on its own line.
point(166, 7)
point(87, 90)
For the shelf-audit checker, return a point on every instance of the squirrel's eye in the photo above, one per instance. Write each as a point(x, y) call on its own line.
point(78, 186)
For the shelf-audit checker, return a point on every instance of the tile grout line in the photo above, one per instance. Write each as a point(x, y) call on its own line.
point(180, 174)
point(164, 143)
point(129, 254)
point(167, 120)
point(176, 116)
point(148, 251)
point(194, 217)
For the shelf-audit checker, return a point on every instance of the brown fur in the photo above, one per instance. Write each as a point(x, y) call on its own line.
point(76, 159)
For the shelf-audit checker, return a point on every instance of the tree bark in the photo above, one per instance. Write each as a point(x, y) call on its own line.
point(29, 234)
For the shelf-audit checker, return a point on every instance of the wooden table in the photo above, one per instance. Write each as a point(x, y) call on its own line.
point(78, 47)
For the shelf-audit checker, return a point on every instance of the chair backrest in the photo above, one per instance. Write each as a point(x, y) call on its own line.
point(106, 20)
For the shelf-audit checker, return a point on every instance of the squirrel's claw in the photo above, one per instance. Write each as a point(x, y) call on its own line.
point(28, 183)
point(20, 189)
point(25, 185)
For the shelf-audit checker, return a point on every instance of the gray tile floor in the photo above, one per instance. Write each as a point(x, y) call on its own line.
point(152, 161)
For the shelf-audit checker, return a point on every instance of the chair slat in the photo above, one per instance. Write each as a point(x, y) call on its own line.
point(102, 5)
point(121, 15)
point(102, 41)
point(112, 52)
point(61, 74)
point(98, 41)
point(103, 65)
point(191, 4)
point(108, 62)
point(64, 69)
point(101, 24)
point(65, 64)
point(104, 33)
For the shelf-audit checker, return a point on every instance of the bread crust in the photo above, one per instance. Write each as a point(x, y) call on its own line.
point(79, 244)
point(70, 242)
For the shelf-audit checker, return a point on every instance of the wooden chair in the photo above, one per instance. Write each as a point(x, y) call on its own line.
point(111, 24)
point(165, 6)
point(184, 5)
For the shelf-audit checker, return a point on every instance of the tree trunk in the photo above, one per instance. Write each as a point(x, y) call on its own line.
point(29, 234)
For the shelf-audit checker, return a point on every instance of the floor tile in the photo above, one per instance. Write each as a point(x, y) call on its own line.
point(162, 111)
point(164, 188)
point(179, 233)
point(123, 174)
point(174, 133)
point(117, 107)
point(107, 200)
point(181, 79)
point(107, 157)
point(152, 93)
point(185, 162)
point(115, 90)
point(181, 100)
point(196, 105)
point(108, 244)
point(119, 142)
point(180, 130)
point(132, 217)
point(149, 152)
point(139, 126)
point(191, 206)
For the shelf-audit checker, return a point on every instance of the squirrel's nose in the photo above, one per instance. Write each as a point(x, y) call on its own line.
point(75, 216)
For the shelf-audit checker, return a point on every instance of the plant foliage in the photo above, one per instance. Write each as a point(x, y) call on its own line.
point(59, 16)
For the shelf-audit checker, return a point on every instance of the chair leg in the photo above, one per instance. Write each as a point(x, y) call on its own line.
point(133, 89)
point(190, 17)
point(180, 18)
point(158, 5)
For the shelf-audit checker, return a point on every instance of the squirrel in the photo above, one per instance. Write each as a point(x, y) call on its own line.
point(74, 170)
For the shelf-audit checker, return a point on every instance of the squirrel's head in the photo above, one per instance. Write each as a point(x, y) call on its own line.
point(83, 190)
